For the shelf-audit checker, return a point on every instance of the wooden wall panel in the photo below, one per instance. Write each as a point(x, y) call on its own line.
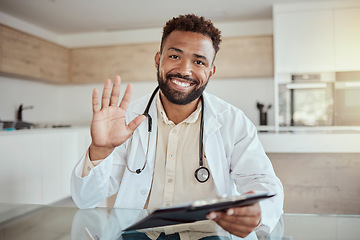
point(20, 53)
point(34, 58)
point(31, 57)
point(54, 62)
point(133, 62)
point(322, 183)
point(239, 57)
point(245, 57)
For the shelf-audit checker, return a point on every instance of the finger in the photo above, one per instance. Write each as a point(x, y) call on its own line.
point(235, 229)
point(252, 210)
point(136, 122)
point(245, 221)
point(232, 225)
point(115, 91)
point(126, 98)
point(106, 94)
point(250, 221)
point(95, 101)
point(248, 211)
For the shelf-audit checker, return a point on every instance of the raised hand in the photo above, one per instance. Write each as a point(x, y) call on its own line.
point(108, 126)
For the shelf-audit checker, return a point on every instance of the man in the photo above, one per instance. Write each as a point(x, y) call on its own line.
point(199, 146)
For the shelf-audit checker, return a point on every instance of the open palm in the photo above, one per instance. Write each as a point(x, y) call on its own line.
point(108, 126)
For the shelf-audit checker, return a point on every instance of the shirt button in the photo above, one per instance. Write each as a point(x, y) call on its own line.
point(173, 130)
point(170, 180)
point(171, 155)
point(143, 192)
point(89, 168)
point(167, 204)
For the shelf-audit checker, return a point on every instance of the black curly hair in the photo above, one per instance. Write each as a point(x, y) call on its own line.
point(192, 23)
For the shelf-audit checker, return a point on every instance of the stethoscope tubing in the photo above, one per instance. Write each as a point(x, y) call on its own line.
point(199, 173)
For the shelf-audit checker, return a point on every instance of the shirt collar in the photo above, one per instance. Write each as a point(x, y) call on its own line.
point(190, 119)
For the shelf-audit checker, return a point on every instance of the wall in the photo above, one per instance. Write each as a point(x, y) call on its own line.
point(71, 104)
point(44, 97)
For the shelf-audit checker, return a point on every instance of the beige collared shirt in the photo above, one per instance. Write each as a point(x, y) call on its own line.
point(174, 182)
point(177, 159)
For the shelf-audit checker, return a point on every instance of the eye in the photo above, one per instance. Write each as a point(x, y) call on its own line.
point(174, 56)
point(199, 62)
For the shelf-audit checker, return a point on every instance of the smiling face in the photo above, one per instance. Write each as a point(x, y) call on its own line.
point(185, 66)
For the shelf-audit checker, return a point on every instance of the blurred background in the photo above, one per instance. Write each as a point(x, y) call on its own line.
point(292, 66)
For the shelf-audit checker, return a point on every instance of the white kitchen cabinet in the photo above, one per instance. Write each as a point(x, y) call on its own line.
point(57, 163)
point(20, 178)
point(36, 165)
point(347, 39)
point(304, 41)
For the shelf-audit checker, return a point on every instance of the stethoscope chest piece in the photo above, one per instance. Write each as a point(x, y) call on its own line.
point(202, 174)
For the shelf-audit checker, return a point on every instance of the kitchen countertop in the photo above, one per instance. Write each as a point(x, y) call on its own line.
point(43, 130)
point(311, 142)
point(294, 141)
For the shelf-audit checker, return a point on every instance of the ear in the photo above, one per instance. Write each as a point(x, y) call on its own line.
point(157, 59)
point(212, 71)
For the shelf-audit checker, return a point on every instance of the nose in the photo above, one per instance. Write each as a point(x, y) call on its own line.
point(184, 67)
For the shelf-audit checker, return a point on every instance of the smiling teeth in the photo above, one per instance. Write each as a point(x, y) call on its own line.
point(181, 84)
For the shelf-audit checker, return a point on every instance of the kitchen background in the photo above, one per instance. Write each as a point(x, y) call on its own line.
point(70, 103)
point(55, 74)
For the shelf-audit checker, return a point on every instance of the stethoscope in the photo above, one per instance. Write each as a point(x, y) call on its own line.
point(202, 174)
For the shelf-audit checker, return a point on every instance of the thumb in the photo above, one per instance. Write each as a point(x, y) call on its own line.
point(136, 122)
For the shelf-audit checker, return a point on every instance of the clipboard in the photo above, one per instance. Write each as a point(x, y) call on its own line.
point(196, 211)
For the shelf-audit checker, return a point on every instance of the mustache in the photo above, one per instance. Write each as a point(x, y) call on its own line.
point(185, 77)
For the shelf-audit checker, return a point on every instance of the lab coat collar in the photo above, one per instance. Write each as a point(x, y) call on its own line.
point(211, 124)
point(211, 110)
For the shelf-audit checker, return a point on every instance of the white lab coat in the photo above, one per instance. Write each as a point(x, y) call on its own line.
point(235, 156)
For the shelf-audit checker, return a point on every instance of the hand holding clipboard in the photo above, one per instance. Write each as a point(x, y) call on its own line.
point(196, 211)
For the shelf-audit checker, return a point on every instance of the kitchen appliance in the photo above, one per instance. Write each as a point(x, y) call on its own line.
point(263, 112)
point(307, 100)
point(347, 99)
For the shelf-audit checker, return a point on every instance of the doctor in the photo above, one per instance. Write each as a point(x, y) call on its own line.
point(187, 145)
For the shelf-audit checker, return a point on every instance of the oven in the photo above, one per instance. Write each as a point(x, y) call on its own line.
point(347, 99)
point(307, 100)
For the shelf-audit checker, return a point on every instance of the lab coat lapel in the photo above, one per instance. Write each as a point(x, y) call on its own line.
point(212, 145)
point(143, 180)
point(211, 124)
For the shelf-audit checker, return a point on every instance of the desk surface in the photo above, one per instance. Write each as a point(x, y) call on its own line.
point(19, 222)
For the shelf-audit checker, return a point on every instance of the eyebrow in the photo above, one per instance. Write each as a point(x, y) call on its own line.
point(196, 55)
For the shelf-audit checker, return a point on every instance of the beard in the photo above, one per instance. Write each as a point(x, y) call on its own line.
point(177, 97)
